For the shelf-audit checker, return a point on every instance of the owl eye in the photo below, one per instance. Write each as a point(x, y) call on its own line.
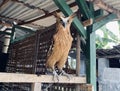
point(68, 21)
point(61, 20)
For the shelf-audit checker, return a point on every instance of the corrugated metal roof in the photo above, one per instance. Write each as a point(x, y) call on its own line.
point(109, 53)
point(113, 3)
point(22, 11)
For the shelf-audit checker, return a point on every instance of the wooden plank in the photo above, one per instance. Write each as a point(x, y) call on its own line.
point(32, 78)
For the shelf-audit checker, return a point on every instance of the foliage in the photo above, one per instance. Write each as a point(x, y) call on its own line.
point(107, 38)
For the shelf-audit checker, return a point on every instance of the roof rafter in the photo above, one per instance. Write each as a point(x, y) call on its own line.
point(106, 7)
point(31, 6)
point(44, 16)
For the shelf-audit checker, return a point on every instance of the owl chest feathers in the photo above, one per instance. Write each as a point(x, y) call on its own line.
point(63, 39)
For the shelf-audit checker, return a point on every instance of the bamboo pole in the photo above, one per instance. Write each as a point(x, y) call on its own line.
point(78, 60)
point(78, 56)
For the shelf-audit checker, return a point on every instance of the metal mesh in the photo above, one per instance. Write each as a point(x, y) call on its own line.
point(43, 45)
point(21, 58)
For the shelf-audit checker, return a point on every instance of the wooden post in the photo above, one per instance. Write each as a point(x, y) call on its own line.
point(90, 52)
point(78, 60)
point(36, 87)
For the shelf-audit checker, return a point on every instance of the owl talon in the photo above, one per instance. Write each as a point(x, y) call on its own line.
point(55, 76)
point(65, 74)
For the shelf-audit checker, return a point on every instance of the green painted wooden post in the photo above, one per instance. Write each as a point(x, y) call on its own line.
point(12, 34)
point(62, 5)
point(87, 13)
point(102, 22)
point(90, 52)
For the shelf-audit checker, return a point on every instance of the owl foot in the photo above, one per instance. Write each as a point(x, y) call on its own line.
point(65, 74)
point(55, 76)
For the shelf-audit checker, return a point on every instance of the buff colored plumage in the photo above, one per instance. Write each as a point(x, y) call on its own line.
point(62, 44)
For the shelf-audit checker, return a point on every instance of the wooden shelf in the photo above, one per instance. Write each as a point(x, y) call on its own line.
point(32, 78)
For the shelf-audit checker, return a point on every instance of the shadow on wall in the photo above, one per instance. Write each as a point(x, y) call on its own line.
point(3, 63)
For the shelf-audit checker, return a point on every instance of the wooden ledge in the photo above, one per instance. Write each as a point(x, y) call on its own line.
point(32, 78)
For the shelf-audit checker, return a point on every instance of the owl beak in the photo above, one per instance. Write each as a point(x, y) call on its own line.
point(64, 24)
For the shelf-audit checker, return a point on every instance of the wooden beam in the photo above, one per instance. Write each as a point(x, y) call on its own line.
point(84, 9)
point(62, 5)
point(101, 4)
point(32, 78)
point(46, 15)
point(102, 21)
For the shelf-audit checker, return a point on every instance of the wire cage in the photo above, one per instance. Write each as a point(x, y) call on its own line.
point(29, 56)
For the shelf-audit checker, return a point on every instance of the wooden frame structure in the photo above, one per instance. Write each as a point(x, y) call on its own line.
point(38, 80)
